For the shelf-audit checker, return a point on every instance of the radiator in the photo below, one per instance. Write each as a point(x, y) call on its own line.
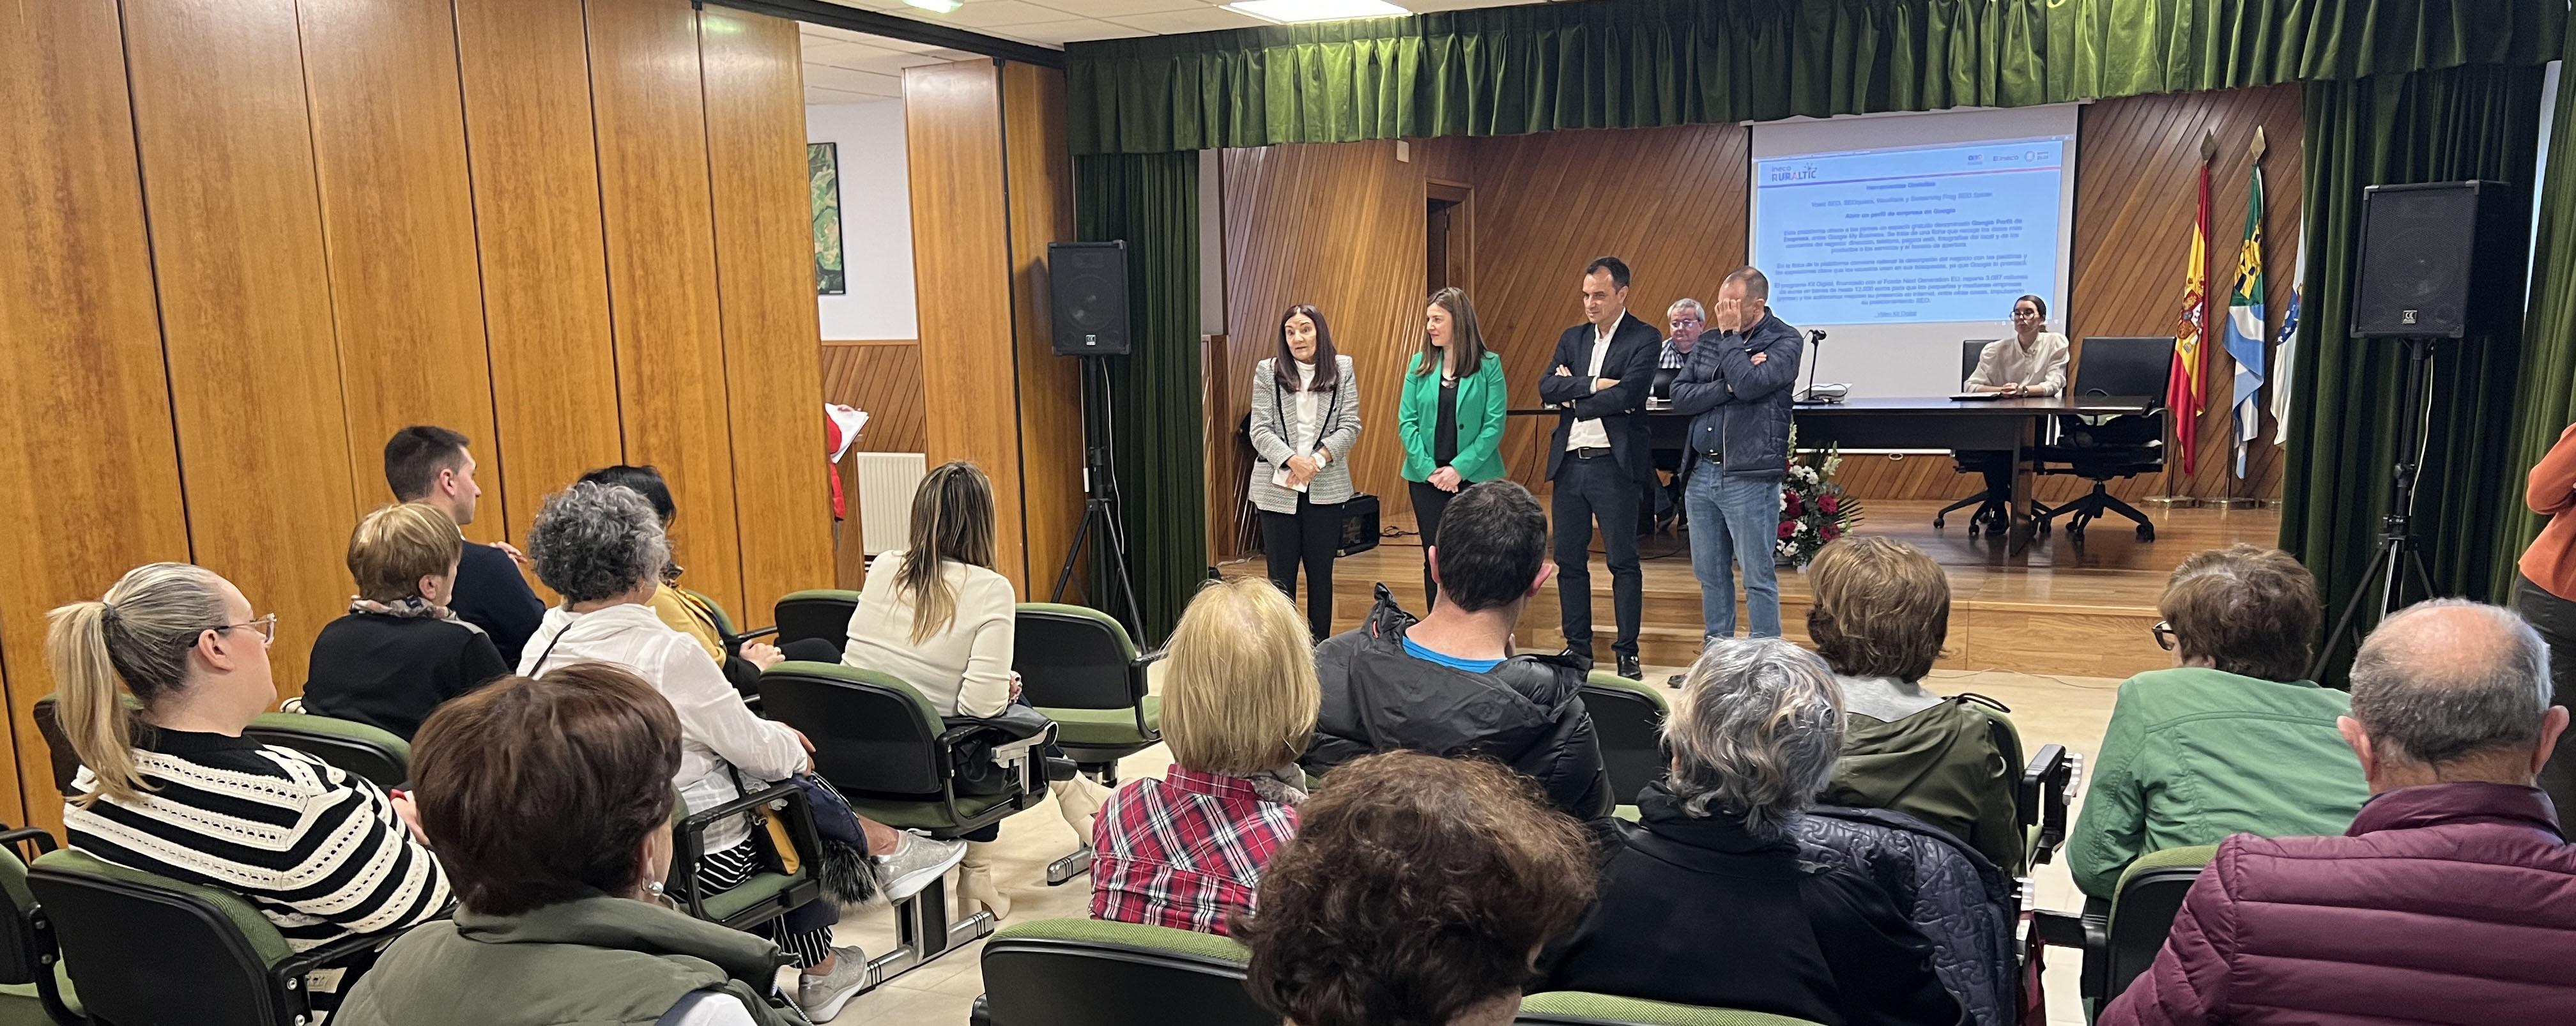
point(886, 483)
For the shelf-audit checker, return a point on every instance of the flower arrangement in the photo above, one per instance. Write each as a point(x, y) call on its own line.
point(1813, 507)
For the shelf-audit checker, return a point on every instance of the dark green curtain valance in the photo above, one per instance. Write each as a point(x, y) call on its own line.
point(1647, 63)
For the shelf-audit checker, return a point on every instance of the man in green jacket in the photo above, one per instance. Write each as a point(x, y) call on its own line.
point(2230, 741)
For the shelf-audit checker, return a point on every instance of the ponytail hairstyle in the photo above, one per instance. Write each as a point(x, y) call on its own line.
point(1466, 341)
point(140, 635)
point(952, 522)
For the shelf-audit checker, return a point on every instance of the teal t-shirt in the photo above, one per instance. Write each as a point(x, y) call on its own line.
point(1445, 659)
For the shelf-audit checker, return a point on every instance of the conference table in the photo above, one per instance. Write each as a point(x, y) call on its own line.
point(2015, 426)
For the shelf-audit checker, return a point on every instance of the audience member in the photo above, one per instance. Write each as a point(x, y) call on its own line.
point(937, 616)
point(431, 465)
point(1881, 615)
point(168, 785)
point(400, 651)
point(679, 608)
point(2451, 899)
point(550, 800)
point(1239, 699)
point(603, 550)
point(1417, 891)
point(1450, 683)
point(1707, 903)
point(2231, 740)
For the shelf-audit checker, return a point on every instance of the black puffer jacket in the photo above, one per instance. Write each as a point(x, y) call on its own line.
point(1527, 713)
point(1960, 901)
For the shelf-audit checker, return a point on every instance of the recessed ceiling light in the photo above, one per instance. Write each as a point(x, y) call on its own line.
point(940, 6)
point(1293, 11)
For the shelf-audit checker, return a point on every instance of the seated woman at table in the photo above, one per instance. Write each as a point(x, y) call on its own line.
point(2031, 362)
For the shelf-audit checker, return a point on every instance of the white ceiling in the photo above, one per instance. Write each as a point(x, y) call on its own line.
point(848, 67)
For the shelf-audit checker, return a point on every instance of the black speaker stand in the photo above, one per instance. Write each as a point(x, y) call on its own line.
point(1100, 501)
point(2398, 562)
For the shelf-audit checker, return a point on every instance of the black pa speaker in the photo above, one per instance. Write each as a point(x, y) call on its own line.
point(1089, 280)
point(2436, 260)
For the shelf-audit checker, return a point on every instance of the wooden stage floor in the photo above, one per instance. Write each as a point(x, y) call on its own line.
point(2056, 609)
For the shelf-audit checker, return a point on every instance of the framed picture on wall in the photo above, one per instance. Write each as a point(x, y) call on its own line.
point(823, 169)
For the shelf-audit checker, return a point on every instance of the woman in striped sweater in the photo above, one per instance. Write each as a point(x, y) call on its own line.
point(172, 788)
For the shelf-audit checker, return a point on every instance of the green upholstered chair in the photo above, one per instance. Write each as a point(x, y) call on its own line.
point(216, 960)
point(729, 638)
point(883, 747)
point(34, 990)
point(357, 748)
point(2120, 937)
point(1085, 972)
point(2046, 793)
point(770, 893)
point(1078, 666)
point(815, 614)
point(1576, 1008)
point(1628, 717)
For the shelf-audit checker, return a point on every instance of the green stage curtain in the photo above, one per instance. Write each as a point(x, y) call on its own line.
point(2470, 122)
point(2549, 343)
point(1648, 63)
point(1152, 201)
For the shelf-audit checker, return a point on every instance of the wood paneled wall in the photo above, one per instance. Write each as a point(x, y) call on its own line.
point(992, 184)
point(882, 377)
point(249, 239)
point(1341, 226)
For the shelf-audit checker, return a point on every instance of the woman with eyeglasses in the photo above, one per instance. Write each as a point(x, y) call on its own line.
point(2234, 739)
point(2031, 362)
point(168, 784)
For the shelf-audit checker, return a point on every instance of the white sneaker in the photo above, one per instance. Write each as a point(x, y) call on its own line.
point(914, 863)
point(821, 997)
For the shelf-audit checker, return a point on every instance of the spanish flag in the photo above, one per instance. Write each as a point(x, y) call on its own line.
point(2182, 389)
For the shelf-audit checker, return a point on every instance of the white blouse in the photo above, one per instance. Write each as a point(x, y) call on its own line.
point(964, 670)
point(2005, 362)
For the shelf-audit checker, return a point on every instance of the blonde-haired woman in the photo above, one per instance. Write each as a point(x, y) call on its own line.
point(1239, 705)
point(400, 651)
point(170, 787)
point(937, 616)
point(1450, 416)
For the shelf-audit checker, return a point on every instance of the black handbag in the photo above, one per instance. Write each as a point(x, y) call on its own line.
point(972, 739)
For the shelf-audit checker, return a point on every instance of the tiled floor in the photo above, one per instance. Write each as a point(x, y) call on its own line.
point(2065, 710)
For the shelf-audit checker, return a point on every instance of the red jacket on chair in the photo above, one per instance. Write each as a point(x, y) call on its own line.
point(2447, 903)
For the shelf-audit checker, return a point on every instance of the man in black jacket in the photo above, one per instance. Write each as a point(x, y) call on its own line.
point(1449, 684)
point(1601, 458)
point(429, 464)
point(1737, 386)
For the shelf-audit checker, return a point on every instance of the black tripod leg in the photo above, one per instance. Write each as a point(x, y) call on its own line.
point(1115, 538)
point(1072, 556)
point(2423, 577)
point(2351, 609)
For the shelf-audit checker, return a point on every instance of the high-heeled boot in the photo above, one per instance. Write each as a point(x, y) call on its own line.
point(975, 887)
point(1079, 800)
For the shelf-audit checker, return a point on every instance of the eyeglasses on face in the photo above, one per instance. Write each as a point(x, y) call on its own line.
point(2164, 633)
point(266, 626)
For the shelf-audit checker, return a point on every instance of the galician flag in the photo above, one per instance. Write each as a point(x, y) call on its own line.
point(2182, 387)
point(2285, 350)
point(2245, 335)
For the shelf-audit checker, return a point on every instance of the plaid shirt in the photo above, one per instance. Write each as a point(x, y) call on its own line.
point(1184, 851)
point(1673, 359)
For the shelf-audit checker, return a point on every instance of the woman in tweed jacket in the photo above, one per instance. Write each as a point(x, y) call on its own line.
point(1305, 419)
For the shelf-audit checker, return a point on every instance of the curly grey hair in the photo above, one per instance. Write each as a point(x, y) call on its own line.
point(1755, 733)
point(594, 541)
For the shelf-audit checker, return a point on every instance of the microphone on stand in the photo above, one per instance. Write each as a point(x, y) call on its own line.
point(1831, 392)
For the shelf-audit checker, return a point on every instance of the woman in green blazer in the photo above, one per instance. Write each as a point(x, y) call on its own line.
point(1450, 416)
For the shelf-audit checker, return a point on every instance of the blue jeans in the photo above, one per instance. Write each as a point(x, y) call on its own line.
point(1734, 521)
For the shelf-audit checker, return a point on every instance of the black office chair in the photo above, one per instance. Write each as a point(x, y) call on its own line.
point(2117, 447)
point(1994, 511)
point(1086, 972)
point(816, 614)
point(357, 748)
point(34, 990)
point(883, 747)
point(1628, 717)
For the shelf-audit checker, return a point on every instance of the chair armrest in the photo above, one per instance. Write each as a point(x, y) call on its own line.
point(1151, 656)
point(2048, 787)
point(291, 969)
point(692, 832)
point(31, 836)
point(753, 635)
point(2075, 931)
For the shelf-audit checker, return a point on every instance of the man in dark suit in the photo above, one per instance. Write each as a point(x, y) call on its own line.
point(430, 465)
point(1600, 457)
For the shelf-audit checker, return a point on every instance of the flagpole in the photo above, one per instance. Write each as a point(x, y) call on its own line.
point(2233, 500)
point(2185, 420)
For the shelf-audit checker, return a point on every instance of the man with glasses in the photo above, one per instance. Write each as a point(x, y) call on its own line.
point(2233, 739)
point(1686, 317)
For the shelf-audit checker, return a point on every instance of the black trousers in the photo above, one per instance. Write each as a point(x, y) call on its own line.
point(1589, 490)
point(1429, 503)
point(1307, 536)
point(2555, 619)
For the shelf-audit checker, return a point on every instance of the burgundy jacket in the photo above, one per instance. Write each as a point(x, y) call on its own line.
point(2447, 903)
